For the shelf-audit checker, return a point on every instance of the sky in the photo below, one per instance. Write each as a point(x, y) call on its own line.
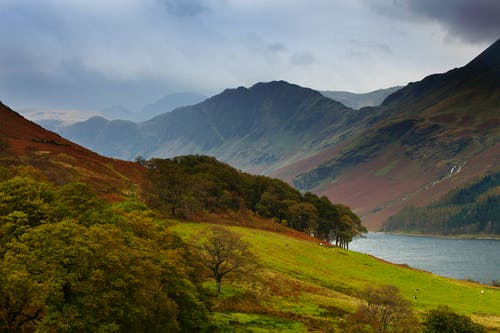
point(93, 54)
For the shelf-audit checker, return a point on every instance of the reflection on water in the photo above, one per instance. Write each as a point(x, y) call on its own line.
point(475, 259)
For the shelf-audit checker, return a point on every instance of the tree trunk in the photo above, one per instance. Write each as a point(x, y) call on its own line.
point(218, 284)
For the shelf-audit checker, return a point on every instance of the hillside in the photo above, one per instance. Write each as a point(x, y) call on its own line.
point(471, 209)
point(360, 100)
point(22, 142)
point(442, 132)
point(305, 287)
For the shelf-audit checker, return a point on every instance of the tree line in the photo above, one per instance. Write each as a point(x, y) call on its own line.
point(473, 209)
point(188, 185)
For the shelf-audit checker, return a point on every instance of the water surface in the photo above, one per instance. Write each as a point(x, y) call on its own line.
point(475, 259)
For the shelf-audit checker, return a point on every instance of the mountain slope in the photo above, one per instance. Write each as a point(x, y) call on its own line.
point(440, 132)
point(22, 142)
point(471, 209)
point(358, 101)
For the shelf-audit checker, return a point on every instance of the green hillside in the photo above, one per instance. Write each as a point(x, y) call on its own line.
point(303, 282)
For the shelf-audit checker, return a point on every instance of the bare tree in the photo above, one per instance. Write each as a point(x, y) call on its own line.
point(223, 252)
point(385, 311)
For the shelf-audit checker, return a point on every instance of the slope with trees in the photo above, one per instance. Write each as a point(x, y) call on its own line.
point(187, 186)
point(472, 209)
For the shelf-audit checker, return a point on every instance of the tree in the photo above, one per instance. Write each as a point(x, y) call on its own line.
point(302, 216)
point(169, 185)
point(385, 311)
point(224, 253)
point(444, 320)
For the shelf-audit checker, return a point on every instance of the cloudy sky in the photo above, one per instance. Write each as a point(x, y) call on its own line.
point(91, 54)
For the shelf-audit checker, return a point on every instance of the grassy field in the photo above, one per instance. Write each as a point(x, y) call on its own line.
point(302, 286)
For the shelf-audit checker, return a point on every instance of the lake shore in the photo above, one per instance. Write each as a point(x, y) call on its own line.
point(460, 236)
point(470, 259)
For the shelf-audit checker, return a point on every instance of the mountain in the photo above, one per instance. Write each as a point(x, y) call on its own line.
point(439, 133)
point(23, 142)
point(168, 103)
point(360, 100)
point(256, 129)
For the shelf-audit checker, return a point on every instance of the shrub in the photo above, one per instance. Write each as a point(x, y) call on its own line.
point(444, 320)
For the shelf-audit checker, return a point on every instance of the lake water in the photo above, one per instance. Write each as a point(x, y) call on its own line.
point(476, 259)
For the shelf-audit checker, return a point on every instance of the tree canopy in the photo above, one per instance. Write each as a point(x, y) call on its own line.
point(71, 263)
point(189, 185)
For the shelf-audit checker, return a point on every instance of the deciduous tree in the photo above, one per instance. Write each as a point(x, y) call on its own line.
point(224, 253)
point(385, 311)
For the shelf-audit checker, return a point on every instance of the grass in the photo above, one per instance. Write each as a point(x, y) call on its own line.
point(302, 282)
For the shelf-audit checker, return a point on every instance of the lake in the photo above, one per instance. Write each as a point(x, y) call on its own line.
point(475, 259)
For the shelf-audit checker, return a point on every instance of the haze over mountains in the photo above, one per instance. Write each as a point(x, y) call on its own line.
point(56, 119)
point(358, 101)
point(424, 140)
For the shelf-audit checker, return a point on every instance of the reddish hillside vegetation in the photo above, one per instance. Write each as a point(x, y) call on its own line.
point(22, 142)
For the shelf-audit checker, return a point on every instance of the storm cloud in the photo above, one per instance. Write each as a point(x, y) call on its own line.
point(472, 21)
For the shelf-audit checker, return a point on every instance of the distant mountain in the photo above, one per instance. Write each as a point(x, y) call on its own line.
point(360, 100)
point(56, 119)
point(168, 103)
point(255, 128)
point(118, 112)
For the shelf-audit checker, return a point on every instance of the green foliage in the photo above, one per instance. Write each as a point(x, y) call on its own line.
point(71, 263)
point(472, 209)
point(190, 185)
point(444, 320)
point(26, 195)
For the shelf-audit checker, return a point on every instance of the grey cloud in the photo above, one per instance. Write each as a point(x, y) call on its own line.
point(472, 21)
point(185, 8)
point(301, 59)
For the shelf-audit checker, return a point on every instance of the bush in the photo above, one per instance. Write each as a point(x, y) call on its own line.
point(444, 320)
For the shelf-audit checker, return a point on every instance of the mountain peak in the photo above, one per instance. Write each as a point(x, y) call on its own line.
point(283, 86)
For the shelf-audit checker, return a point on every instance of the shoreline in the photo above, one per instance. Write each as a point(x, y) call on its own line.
point(460, 236)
